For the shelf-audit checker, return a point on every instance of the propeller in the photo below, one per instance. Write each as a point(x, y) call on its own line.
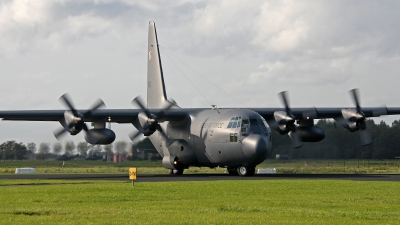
point(354, 119)
point(284, 121)
point(148, 123)
point(365, 137)
point(75, 120)
point(296, 140)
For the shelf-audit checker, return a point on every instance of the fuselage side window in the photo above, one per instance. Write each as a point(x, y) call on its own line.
point(233, 137)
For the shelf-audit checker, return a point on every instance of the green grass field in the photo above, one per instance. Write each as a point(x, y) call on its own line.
point(208, 202)
point(148, 167)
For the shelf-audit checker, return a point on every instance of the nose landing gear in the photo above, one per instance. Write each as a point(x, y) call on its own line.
point(175, 172)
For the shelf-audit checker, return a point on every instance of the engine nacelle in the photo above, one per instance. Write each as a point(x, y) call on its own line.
point(103, 136)
point(183, 152)
point(310, 134)
point(170, 162)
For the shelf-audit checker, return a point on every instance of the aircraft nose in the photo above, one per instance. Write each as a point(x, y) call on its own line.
point(254, 145)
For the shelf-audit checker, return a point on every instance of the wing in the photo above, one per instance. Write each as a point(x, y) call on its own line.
point(326, 113)
point(111, 115)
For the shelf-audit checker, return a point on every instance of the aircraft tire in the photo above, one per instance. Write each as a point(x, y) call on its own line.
point(170, 171)
point(232, 170)
point(242, 170)
point(252, 171)
point(178, 171)
point(246, 171)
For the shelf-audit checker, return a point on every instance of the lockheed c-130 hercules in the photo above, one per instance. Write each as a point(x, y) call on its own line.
point(238, 139)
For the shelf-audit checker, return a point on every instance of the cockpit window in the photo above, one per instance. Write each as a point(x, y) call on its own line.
point(253, 122)
point(264, 122)
point(246, 122)
point(235, 122)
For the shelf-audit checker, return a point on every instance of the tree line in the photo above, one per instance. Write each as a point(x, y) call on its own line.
point(18, 151)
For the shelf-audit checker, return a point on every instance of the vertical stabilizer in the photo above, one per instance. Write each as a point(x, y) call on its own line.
point(156, 95)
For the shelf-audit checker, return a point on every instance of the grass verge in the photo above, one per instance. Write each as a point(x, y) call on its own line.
point(149, 167)
point(210, 202)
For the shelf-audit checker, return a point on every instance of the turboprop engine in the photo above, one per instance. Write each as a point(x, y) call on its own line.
point(354, 119)
point(74, 122)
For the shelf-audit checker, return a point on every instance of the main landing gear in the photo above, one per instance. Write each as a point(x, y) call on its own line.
point(242, 171)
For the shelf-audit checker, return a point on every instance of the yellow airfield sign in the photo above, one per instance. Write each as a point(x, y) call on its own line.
point(132, 173)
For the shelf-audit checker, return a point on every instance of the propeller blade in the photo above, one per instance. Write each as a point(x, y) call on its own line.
point(133, 135)
point(96, 105)
point(365, 137)
point(273, 124)
point(354, 94)
point(168, 141)
point(284, 98)
point(59, 132)
point(84, 127)
point(296, 140)
point(139, 102)
point(341, 121)
point(66, 99)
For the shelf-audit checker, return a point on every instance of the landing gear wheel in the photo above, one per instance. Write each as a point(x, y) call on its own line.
point(242, 171)
point(178, 171)
point(246, 171)
point(170, 171)
point(252, 171)
point(232, 170)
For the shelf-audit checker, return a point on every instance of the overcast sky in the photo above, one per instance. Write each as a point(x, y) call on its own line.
point(316, 50)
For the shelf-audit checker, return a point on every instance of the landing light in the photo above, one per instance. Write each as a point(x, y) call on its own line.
point(109, 118)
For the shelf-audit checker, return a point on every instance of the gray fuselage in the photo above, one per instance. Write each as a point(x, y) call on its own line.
point(223, 137)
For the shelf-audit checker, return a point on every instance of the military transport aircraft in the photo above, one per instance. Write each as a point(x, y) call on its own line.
point(238, 139)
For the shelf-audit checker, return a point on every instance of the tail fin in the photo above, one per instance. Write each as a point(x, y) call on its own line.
point(156, 95)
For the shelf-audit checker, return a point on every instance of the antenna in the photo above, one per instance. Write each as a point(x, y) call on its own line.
point(215, 107)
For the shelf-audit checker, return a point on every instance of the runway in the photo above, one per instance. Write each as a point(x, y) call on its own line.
point(206, 177)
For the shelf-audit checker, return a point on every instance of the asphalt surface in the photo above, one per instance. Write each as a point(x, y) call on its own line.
point(206, 177)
